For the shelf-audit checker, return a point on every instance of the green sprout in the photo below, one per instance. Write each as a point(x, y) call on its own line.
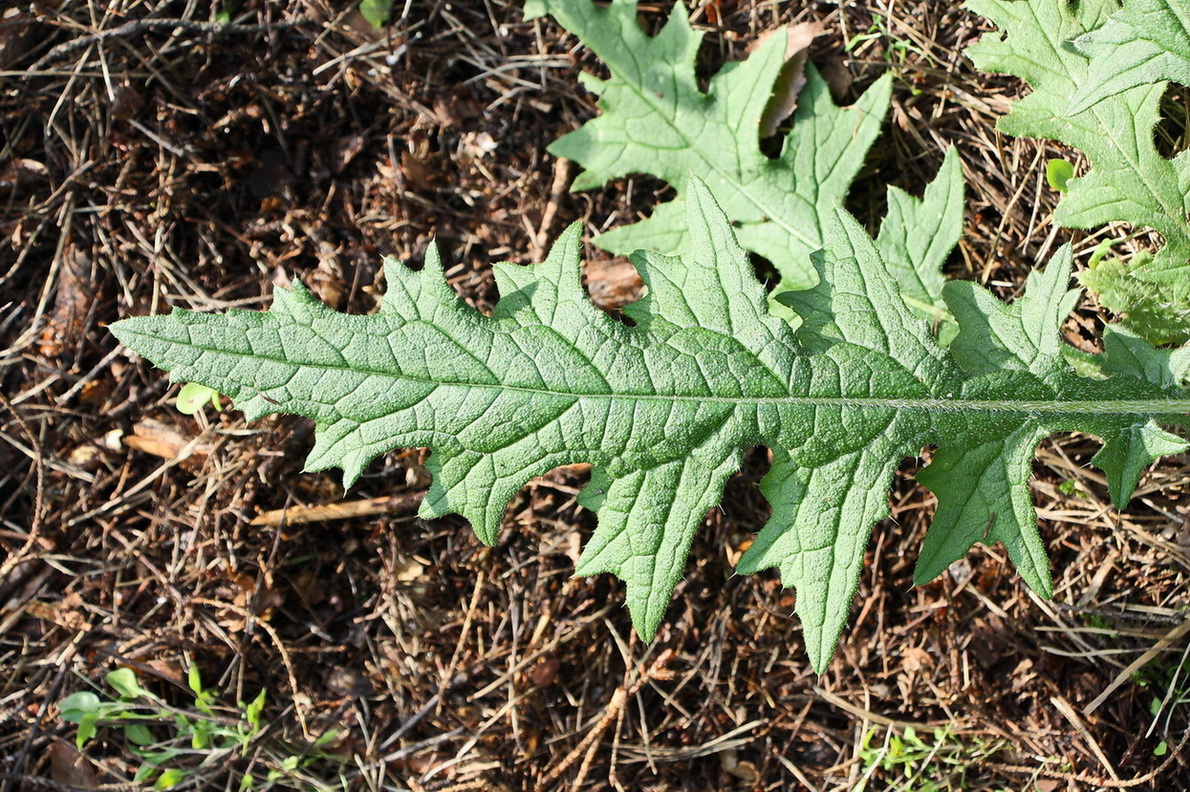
point(192, 398)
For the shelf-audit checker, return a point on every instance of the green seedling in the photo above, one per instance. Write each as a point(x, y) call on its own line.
point(165, 740)
point(1059, 172)
point(192, 398)
point(377, 12)
point(907, 761)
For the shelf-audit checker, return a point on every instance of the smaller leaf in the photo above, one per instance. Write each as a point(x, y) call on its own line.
point(138, 734)
point(1059, 172)
point(376, 11)
point(194, 679)
point(124, 682)
point(328, 736)
point(87, 729)
point(76, 705)
point(170, 778)
point(158, 759)
point(252, 711)
point(193, 397)
point(1100, 252)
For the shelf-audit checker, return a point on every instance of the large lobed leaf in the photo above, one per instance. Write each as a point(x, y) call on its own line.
point(656, 120)
point(1102, 96)
point(662, 410)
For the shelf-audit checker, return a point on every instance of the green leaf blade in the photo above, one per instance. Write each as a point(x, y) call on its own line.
point(663, 410)
point(656, 120)
point(1146, 42)
point(917, 236)
point(980, 479)
point(1088, 97)
point(818, 533)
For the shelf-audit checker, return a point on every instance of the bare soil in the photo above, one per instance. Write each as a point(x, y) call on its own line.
point(151, 158)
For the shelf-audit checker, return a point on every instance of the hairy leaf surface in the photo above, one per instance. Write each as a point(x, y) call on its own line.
point(1111, 118)
point(664, 409)
point(656, 120)
point(1146, 42)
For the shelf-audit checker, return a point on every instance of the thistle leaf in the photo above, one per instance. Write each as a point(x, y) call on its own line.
point(656, 120)
point(1107, 105)
point(664, 409)
point(1145, 43)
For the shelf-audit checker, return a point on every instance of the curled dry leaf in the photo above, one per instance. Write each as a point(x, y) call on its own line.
point(792, 77)
point(72, 304)
point(154, 437)
point(71, 768)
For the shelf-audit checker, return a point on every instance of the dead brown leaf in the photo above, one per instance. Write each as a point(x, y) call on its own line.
point(154, 437)
point(72, 303)
point(792, 78)
point(69, 767)
point(18, 27)
point(20, 172)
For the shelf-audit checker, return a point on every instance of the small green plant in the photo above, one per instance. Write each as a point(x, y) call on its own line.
point(192, 398)
point(1059, 172)
point(898, 48)
point(1100, 622)
point(198, 732)
point(377, 12)
point(1070, 488)
point(909, 762)
point(225, 13)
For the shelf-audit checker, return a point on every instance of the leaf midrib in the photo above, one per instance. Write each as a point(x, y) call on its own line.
point(933, 404)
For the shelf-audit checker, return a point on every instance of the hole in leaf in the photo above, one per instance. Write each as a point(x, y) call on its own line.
point(1172, 134)
point(765, 271)
point(743, 508)
point(612, 282)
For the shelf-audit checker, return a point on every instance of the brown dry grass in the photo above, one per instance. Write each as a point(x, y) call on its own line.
point(147, 164)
